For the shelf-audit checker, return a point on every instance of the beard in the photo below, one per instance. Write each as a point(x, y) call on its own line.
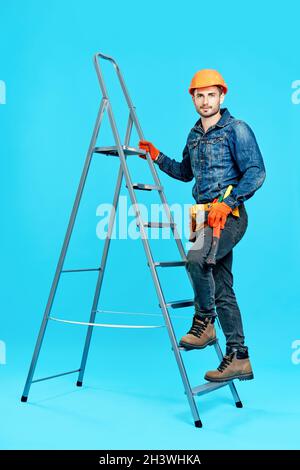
point(209, 112)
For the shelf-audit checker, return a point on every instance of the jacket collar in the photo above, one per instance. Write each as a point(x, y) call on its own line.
point(225, 117)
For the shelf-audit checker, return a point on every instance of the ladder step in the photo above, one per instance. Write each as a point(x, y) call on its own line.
point(79, 270)
point(180, 303)
point(168, 264)
point(146, 187)
point(113, 150)
point(159, 224)
point(208, 387)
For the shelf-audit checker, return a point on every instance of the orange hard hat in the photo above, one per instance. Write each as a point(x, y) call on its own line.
point(207, 77)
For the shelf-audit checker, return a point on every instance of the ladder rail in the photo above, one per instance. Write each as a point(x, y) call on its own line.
point(99, 55)
point(134, 202)
point(64, 248)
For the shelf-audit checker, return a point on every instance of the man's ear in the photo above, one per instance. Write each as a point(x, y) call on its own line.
point(222, 97)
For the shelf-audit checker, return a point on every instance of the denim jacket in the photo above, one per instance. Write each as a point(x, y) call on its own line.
point(227, 153)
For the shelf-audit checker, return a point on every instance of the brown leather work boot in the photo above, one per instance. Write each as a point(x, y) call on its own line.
point(235, 365)
point(201, 334)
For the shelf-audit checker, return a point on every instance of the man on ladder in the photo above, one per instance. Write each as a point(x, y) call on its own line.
point(207, 152)
point(221, 153)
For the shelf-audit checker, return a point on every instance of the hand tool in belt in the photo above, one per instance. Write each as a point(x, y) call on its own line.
point(211, 257)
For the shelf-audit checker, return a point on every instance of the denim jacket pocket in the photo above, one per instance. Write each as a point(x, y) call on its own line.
point(215, 140)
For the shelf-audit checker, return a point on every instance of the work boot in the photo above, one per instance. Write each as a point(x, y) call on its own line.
point(201, 334)
point(235, 365)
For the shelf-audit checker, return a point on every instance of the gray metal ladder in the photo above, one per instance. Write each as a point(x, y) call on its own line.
point(122, 151)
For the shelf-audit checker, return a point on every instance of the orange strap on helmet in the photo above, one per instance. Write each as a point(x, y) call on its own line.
point(207, 77)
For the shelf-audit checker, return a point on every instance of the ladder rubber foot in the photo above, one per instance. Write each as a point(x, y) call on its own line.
point(198, 423)
point(239, 404)
point(78, 383)
point(24, 399)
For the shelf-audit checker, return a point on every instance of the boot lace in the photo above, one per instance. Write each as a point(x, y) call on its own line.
point(225, 362)
point(198, 327)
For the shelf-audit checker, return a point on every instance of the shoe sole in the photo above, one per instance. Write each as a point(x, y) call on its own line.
point(240, 377)
point(191, 346)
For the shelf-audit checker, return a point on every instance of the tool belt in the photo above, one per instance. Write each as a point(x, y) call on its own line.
point(198, 214)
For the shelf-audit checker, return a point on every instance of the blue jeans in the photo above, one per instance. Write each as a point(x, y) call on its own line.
point(213, 286)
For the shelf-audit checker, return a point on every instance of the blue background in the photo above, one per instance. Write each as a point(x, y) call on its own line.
point(133, 396)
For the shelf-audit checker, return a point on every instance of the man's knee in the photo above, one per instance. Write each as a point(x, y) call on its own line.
point(195, 259)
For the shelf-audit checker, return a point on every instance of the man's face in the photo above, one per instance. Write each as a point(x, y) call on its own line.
point(207, 100)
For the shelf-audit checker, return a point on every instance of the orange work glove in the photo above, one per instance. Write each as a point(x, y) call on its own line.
point(148, 147)
point(218, 214)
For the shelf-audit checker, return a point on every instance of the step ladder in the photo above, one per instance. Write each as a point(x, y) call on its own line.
point(122, 151)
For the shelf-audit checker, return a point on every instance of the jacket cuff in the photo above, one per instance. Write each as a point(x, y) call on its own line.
point(231, 202)
point(159, 158)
